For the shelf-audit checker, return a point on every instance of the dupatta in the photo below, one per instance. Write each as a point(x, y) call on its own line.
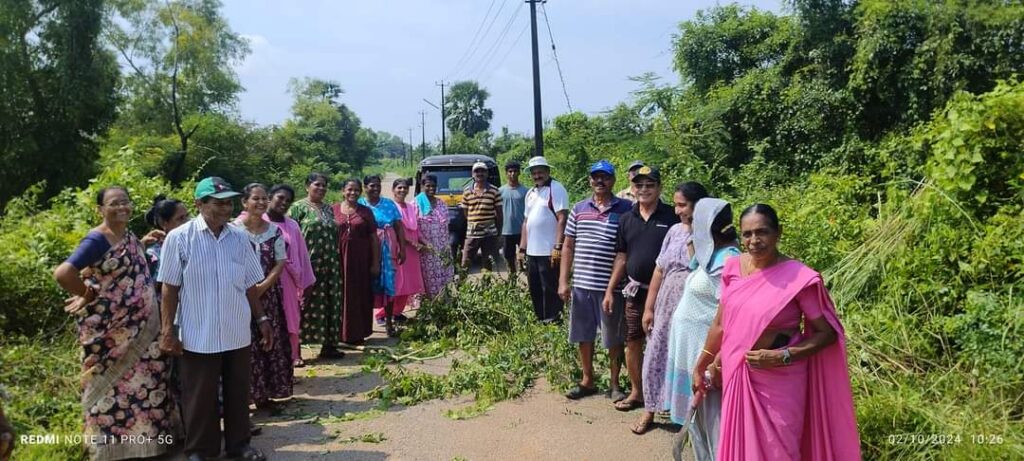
point(801, 411)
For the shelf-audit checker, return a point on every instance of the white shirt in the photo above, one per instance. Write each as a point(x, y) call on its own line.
point(541, 224)
point(213, 273)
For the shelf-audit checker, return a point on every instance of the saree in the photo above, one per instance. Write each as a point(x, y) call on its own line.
point(433, 227)
point(800, 411)
point(321, 317)
point(125, 378)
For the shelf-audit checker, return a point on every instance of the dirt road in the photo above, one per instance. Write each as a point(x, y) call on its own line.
point(331, 417)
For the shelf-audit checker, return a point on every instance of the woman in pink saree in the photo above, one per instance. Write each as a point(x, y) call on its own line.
point(785, 390)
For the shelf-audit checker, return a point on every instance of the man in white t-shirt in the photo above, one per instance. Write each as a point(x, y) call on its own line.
point(547, 208)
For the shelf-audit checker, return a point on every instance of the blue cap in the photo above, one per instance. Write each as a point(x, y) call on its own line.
point(602, 166)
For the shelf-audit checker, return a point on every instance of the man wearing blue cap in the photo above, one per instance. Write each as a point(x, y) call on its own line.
point(209, 274)
point(593, 224)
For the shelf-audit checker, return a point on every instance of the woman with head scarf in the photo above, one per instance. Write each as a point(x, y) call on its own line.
point(714, 242)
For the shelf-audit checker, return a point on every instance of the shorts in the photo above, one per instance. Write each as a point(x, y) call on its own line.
point(634, 317)
point(586, 316)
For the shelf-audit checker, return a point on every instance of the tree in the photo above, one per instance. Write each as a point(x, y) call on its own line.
point(465, 109)
point(325, 130)
point(180, 56)
point(57, 93)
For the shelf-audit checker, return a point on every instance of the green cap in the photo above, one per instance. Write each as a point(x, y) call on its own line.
point(214, 187)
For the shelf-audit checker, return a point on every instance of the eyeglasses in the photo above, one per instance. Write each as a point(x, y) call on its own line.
point(645, 185)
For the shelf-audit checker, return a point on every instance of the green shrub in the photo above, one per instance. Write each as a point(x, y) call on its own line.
point(33, 241)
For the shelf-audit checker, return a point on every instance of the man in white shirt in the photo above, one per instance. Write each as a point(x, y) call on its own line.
point(209, 274)
point(547, 205)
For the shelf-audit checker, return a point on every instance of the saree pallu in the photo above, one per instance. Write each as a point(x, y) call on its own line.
point(124, 376)
point(801, 411)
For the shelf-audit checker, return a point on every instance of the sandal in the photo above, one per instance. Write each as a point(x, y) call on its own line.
point(580, 391)
point(644, 425)
point(628, 405)
point(391, 331)
point(617, 396)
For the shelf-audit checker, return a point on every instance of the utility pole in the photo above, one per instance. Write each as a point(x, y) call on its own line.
point(538, 122)
point(444, 147)
point(408, 152)
point(423, 133)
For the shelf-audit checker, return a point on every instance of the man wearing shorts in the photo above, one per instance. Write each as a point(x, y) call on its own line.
point(638, 242)
point(588, 253)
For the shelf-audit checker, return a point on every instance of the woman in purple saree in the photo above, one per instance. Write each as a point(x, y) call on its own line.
point(786, 390)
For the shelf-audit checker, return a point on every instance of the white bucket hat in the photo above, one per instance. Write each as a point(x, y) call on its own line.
point(535, 162)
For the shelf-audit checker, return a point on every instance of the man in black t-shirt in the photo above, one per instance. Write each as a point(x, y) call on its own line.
point(638, 242)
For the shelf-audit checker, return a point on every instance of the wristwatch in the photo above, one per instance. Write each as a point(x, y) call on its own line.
point(262, 319)
point(787, 358)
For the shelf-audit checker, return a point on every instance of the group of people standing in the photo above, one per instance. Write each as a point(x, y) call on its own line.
point(743, 349)
point(237, 298)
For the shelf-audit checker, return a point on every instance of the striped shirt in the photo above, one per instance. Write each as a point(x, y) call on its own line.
point(213, 273)
point(594, 233)
point(481, 214)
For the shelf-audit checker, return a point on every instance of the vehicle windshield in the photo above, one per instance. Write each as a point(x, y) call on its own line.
point(452, 181)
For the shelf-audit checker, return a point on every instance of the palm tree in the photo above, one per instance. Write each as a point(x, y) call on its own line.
point(465, 111)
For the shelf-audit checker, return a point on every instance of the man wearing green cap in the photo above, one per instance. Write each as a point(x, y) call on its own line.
point(209, 274)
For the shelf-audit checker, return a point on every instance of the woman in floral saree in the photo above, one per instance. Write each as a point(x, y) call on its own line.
point(124, 376)
point(786, 389)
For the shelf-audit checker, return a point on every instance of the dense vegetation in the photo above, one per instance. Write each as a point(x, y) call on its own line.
point(887, 132)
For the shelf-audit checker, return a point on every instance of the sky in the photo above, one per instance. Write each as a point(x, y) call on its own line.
point(388, 55)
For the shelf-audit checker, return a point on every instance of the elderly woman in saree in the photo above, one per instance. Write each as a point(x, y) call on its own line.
point(390, 232)
point(670, 273)
point(124, 376)
point(785, 388)
point(714, 242)
point(432, 220)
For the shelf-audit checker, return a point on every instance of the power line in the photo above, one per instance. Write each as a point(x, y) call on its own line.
point(474, 45)
point(554, 53)
point(492, 51)
point(519, 37)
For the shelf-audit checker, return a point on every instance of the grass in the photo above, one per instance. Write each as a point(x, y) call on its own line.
point(42, 377)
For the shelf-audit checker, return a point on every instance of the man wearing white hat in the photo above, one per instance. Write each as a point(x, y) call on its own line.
point(482, 203)
point(547, 209)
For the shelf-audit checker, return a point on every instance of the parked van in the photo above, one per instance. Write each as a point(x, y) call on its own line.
point(454, 173)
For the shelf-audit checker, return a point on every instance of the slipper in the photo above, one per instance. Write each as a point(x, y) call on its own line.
point(579, 392)
point(617, 396)
point(628, 405)
point(642, 428)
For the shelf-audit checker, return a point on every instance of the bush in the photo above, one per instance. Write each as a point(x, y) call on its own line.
point(34, 241)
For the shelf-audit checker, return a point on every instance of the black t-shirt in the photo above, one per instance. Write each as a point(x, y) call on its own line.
point(641, 240)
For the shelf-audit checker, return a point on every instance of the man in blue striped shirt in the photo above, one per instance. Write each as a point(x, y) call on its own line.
point(588, 253)
point(209, 271)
